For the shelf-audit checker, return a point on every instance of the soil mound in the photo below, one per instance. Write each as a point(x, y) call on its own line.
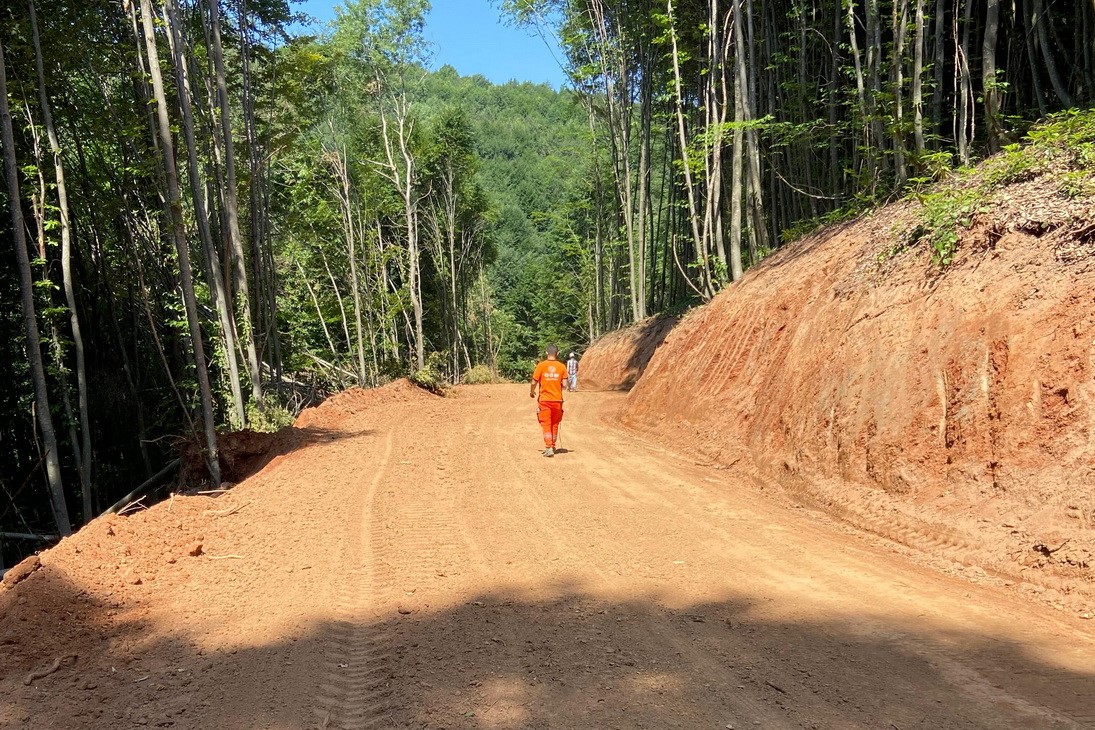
point(131, 621)
point(947, 408)
point(332, 412)
point(244, 453)
point(617, 360)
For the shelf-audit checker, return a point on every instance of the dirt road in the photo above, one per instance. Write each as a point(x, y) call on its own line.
point(421, 565)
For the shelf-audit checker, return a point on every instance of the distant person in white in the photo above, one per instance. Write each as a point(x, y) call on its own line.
point(572, 373)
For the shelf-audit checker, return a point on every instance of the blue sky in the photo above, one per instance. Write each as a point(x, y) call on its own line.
point(472, 37)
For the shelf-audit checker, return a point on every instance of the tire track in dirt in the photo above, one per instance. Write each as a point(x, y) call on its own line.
point(542, 505)
point(423, 550)
point(483, 585)
point(1070, 694)
point(1064, 687)
point(355, 693)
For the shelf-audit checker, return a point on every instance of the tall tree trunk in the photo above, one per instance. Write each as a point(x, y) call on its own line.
point(918, 78)
point(83, 448)
point(178, 231)
point(618, 103)
point(598, 217)
point(716, 102)
point(346, 199)
point(30, 322)
point(1041, 23)
point(231, 206)
point(645, 121)
point(758, 229)
point(938, 65)
point(699, 241)
point(900, 27)
point(264, 302)
point(736, 174)
point(398, 152)
point(874, 74)
point(964, 91)
point(1029, 40)
point(860, 85)
point(221, 300)
point(990, 89)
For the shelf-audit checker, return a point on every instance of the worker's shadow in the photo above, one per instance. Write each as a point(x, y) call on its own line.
point(563, 451)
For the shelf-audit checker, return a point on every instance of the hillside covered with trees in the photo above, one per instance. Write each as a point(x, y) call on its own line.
point(216, 220)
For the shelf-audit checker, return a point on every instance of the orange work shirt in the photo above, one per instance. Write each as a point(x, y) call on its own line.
point(550, 374)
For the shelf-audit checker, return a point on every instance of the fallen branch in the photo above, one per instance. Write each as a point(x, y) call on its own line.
point(332, 366)
point(29, 536)
point(125, 502)
point(225, 512)
point(131, 506)
point(777, 688)
point(40, 673)
point(226, 557)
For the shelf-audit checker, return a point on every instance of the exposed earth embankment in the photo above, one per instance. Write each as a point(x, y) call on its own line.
point(618, 360)
point(414, 562)
point(949, 408)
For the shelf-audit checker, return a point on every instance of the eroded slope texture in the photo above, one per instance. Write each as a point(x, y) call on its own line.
point(944, 406)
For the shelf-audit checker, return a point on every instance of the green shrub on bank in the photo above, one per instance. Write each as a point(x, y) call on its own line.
point(433, 377)
point(1063, 145)
point(1063, 142)
point(429, 379)
point(944, 213)
point(478, 375)
point(268, 416)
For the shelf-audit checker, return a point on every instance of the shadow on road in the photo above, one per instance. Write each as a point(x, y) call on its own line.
point(245, 453)
point(563, 658)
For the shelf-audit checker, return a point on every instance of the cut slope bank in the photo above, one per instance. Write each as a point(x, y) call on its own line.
point(617, 360)
point(950, 409)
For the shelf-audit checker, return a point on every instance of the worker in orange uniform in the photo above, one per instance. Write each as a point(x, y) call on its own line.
point(549, 376)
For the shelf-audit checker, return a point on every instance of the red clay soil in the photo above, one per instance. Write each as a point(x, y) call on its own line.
point(948, 409)
point(414, 562)
point(95, 610)
point(244, 453)
point(617, 360)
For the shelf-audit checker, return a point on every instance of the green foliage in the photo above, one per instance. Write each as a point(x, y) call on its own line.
point(478, 375)
point(933, 166)
point(1014, 164)
point(1071, 132)
point(527, 140)
point(268, 416)
point(1078, 183)
point(944, 214)
point(432, 377)
point(1063, 143)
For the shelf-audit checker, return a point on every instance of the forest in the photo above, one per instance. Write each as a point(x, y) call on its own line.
point(217, 219)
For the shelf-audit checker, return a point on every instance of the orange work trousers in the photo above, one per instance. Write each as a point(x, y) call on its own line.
point(550, 416)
